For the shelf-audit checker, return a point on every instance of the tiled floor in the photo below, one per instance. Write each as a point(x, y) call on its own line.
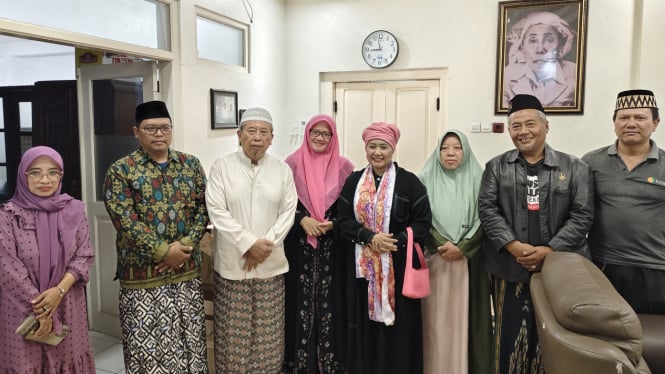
point(108, 353)
point(108, 350)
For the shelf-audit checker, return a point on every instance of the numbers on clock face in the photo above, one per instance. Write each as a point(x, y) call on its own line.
point(380, 49)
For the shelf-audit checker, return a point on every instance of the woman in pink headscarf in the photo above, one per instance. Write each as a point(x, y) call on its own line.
point(375, 207)
point(46, 255)
point(314, 292)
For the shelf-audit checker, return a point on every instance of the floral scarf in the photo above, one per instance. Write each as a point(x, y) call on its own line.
point(372, 210)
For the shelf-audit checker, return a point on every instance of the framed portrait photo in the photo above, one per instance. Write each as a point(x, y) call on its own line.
point(223, 109)
point(541, 52)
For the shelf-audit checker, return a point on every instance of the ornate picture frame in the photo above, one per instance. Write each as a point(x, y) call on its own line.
point(541, 51)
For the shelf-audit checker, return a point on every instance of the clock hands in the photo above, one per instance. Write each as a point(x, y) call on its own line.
point(377, 49)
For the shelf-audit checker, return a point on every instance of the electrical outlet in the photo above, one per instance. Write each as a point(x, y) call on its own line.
point(497, 127)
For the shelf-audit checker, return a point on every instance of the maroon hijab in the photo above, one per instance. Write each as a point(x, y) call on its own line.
point(55, 225)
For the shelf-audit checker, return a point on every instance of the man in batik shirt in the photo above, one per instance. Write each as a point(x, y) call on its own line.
point(155, 197)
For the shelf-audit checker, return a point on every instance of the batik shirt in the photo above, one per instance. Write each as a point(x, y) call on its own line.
point(151, 206)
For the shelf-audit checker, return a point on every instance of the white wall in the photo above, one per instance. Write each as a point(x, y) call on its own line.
point(462, 35)
point(264, 86)
point(292, 41)
point(24, 62)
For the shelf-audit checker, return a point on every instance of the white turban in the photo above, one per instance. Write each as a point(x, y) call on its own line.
point(519, 29)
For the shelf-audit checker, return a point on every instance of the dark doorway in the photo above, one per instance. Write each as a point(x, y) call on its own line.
point(43, 114)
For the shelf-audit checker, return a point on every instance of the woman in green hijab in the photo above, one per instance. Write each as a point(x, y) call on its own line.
point(456, 315)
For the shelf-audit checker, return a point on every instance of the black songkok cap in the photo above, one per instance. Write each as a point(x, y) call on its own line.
point(635, 99)
point(521, 101)
point(151, 109)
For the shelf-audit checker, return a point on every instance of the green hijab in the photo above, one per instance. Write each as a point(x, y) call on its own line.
point(453, 194)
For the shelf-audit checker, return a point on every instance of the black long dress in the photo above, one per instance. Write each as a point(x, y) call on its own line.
point(315, 311)
point(373, 347)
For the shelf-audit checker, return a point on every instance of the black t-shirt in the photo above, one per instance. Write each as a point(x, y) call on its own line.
point(533, 201)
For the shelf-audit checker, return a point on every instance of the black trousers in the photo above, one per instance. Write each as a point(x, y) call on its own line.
point(643, 289)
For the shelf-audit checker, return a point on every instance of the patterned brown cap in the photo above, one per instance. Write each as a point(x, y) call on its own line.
point(635, 99)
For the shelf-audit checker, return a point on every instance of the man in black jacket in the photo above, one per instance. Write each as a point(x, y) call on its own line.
point(533, 200)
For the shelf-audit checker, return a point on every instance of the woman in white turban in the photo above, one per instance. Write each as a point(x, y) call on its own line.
point(536, 66)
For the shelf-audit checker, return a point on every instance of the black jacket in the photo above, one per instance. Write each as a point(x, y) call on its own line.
point(566, 208)
point(410, 207)
point(401, 343)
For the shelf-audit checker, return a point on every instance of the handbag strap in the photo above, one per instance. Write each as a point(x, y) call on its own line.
point(409, 250)
point(409, 247)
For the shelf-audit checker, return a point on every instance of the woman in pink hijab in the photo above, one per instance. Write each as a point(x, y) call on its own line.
point(314, 292)
point(46, 255)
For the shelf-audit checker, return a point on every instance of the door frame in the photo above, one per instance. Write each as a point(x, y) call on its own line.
point(166, 77)
point(328, 81)
point(168, 72)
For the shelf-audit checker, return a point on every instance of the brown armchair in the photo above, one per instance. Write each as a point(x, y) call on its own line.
point(584, 325)
point(653, 341)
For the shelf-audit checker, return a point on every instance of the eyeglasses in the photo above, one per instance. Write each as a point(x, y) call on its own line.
point(53, 175)
point(262, 132)
point(152, 130)
point(324, 134)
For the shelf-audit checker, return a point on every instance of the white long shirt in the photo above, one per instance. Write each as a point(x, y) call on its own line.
point(246, 203)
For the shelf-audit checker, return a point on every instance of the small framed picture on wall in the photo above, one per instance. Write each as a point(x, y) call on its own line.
point(223, 109)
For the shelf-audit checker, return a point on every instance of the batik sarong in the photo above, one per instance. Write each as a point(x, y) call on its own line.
point(163, 329)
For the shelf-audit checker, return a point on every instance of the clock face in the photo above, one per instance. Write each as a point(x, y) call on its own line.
point(380, 49)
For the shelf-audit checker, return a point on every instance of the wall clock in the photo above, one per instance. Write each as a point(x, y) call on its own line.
point(380, 49)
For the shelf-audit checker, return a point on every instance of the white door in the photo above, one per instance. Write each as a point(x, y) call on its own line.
point(108, 95)
point(410, 104)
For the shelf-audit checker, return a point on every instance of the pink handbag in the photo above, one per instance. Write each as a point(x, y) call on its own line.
point(416, 281)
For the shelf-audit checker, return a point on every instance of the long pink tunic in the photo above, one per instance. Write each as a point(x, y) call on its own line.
point(19, 266)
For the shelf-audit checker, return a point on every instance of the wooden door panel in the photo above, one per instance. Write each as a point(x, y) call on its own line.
point(415, 107)
point(108, 96)
point(358, 106)
point(410, 104)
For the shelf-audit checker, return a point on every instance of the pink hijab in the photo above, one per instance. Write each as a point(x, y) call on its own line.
point(319, 177)
point(387, 132)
